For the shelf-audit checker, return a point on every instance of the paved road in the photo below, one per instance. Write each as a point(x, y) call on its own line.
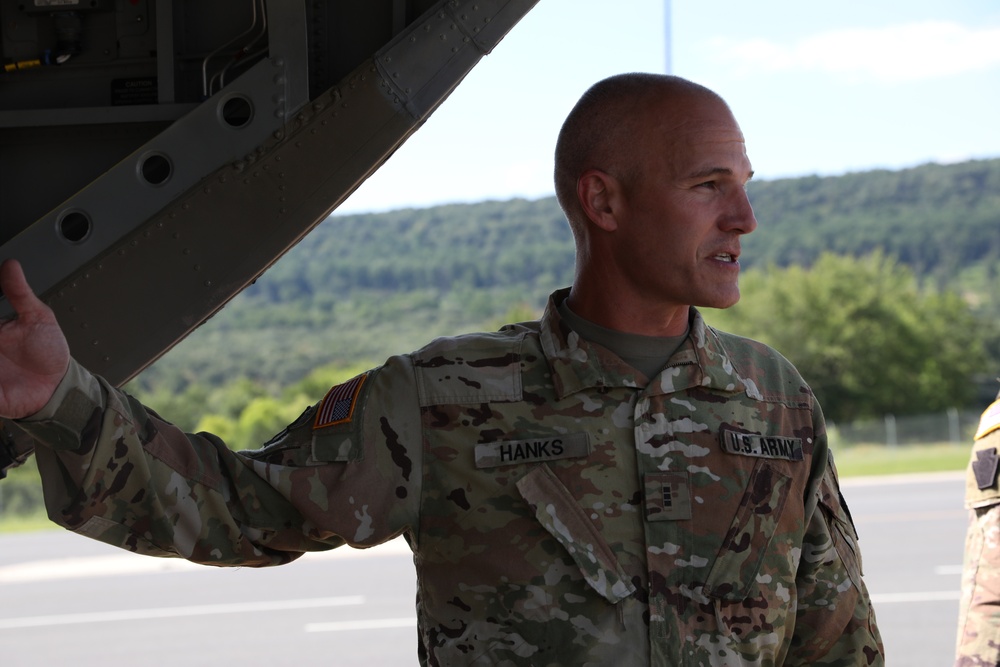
point(912, 535)
point(65, 600)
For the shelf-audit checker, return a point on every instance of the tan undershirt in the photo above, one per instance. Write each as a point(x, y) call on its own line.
point(646, 354)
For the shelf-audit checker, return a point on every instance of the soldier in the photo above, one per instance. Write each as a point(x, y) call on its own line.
point(615, 484)
point(979, 612)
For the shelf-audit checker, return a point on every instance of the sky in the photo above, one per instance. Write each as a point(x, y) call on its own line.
point(818, 88)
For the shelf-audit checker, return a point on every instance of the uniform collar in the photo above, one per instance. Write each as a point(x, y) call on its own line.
point(577, 365)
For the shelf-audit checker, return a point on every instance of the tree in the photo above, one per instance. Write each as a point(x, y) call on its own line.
point(863, 335)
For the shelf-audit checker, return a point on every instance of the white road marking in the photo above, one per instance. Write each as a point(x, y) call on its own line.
point(123, 563)
point(908, 478)
point(369, 624)
point(173, 612)
point(927, 596)
point(90, 566)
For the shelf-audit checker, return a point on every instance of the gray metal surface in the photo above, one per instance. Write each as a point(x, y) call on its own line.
point(137, 223)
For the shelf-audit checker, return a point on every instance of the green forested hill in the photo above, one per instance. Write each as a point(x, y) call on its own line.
point(361, 287)
point(487, 245)
point(937, 219)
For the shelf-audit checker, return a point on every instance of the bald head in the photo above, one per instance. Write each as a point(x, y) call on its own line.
point(607, 125)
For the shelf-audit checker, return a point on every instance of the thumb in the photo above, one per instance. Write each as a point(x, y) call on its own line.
point(15, 287)
point(34, 354)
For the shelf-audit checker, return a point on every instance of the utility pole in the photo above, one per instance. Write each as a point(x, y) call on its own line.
point(667, 40)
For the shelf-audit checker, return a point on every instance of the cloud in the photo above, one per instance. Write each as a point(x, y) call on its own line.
point(900, 53)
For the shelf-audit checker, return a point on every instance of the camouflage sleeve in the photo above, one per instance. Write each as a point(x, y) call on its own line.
point(835, 621)
point(978, 641)
point(113, 470)
point(979, 611)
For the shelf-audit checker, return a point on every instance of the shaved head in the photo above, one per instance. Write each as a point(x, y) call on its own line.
point(606, 126)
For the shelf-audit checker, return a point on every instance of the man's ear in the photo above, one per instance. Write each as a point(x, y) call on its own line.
point(599, 194)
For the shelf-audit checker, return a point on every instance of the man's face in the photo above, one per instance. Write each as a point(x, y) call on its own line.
point(687, 207)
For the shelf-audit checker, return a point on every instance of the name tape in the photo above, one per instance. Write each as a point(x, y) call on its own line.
point(492, 454)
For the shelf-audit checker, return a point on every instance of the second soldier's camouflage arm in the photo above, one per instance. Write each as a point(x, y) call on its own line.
point(114, 471)
point(979, 613)
point(978, 641)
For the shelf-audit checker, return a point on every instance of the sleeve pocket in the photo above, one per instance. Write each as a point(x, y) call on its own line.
point(843, 534)
point(560, 515)
point(301, 445)
point(336, 446)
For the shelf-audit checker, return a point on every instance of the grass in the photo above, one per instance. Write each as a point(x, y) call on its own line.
point(853, 461)
point(861, 460)
point(26, 523)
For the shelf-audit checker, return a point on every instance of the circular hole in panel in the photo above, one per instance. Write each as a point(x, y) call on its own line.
point(74, 226)
point(237, 111)
point(156, 169)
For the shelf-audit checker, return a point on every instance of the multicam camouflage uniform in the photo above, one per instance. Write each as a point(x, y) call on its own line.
point(979, 612)
point(560, 513)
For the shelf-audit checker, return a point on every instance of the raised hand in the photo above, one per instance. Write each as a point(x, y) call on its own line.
point(34, 353)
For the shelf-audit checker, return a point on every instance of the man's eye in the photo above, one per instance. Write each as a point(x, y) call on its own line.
point(707, 184)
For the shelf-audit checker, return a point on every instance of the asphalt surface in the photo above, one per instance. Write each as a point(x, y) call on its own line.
point(65, 600)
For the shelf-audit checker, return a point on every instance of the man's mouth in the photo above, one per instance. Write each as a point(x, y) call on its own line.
point(725, 257)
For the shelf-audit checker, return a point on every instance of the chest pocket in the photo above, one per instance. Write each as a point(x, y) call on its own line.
point(564, 519)
point(738, 564)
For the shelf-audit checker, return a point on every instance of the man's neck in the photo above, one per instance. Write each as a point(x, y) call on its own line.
point(619, 313)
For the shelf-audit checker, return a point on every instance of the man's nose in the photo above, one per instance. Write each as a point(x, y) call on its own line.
point(741, 218)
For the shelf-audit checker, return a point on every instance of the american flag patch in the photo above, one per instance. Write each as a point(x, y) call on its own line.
point(338, 404)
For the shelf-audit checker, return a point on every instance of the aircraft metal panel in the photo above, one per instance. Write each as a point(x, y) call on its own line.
point(139, 289)
point(123, 197)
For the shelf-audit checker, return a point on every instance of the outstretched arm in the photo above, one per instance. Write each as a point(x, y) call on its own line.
point(34, 354)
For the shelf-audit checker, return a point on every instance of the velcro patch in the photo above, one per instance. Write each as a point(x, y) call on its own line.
point(765, 446)
point(338, 404)
point(667, 495)
point(492, 454)
point(990, 421)
point(985, 468)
